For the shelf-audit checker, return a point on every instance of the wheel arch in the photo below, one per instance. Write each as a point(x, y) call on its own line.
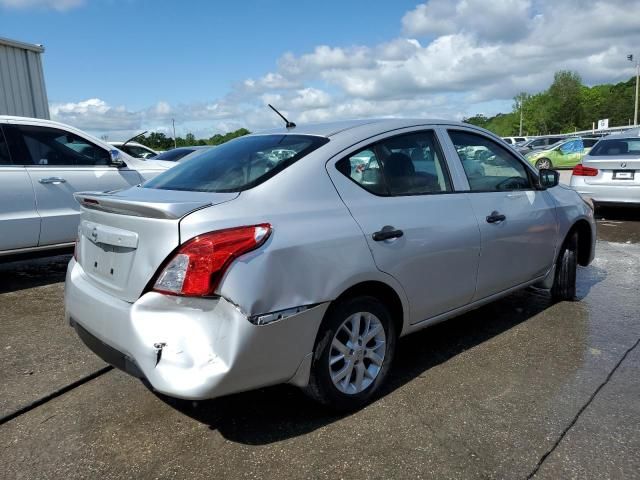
point(583, 229)
point(383, 292)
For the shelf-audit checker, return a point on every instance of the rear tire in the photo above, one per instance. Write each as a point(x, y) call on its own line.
point(364, 351)
point(564, 284)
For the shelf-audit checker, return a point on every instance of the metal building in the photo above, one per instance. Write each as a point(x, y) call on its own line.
point(22, 88)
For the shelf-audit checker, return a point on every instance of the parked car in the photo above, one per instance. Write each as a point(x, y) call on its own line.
point(610, 172)
point(565, 154)
point(42, 163)
point(214, 278)
point(136, 150)
point(540, 143)
point(514, 140)
point(176, 154)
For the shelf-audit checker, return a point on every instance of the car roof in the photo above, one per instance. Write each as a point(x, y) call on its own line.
point(329, 129)
point(632, 132)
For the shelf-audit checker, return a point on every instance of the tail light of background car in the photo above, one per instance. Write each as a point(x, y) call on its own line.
point(582, 171)
point(197, 266)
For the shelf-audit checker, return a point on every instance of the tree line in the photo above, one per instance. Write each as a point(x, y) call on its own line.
point(566, 106)
point(159, 141)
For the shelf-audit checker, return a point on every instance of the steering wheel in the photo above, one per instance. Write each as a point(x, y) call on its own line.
point(511, 183)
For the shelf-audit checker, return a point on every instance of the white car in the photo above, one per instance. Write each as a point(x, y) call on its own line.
point(515, 140)
point(42, 164)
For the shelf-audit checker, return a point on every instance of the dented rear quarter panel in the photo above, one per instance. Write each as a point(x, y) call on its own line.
point(316, 250)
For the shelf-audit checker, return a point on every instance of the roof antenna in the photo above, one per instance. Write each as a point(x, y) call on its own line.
point(288, 124)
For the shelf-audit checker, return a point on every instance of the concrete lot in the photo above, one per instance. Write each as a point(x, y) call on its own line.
point(518, 389)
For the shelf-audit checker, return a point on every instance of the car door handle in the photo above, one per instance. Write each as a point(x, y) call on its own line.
point(387, 233)
point(52, 180)
point(495, 217)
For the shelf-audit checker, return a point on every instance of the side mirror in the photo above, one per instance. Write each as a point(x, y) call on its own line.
point(116, 159)
point(548, 178)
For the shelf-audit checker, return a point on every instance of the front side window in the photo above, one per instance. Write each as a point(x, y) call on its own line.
point(53, 147)
point(409, 164)
point(237, 165)
point(488, 166)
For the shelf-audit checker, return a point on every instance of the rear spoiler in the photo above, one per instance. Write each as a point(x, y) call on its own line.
point(107, 202)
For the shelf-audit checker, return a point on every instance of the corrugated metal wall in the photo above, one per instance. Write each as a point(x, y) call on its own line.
point(22, 88)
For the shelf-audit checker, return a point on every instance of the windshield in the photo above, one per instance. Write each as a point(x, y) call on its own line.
point(237, 165)
point(174, 155)
point(615, 147)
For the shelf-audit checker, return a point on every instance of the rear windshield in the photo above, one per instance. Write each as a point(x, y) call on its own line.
point(616, 147)
point(174, 155)
point(237, 165)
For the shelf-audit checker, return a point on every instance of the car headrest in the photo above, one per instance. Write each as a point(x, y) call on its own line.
point(616, 148)
point(398, 165)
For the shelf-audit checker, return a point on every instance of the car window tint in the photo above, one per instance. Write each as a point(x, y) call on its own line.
point(5, 159)
point(589, 142)
point(364, 169)
point(51, 146)
point(410, 164)
point(615, 147)
point(237, 165)
point(487, 165)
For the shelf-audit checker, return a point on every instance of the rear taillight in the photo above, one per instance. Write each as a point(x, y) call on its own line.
point(582, 171)
point(197, 267)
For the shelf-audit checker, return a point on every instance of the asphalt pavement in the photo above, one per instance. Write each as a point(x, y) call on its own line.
point(521, 388)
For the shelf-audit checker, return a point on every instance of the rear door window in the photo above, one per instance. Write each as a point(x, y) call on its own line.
point(409, 164)
point(237, 165)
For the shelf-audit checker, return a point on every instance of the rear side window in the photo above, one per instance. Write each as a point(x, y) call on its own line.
point(489, 167)
point(47, 146)
point(615, 147)
point(5, 159)
point(410, 164)
point(237, 165)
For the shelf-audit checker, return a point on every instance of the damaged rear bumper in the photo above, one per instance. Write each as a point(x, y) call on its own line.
point(191, 348)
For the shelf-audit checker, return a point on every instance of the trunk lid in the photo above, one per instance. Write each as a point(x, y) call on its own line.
point(622, 170)
point(125, 236)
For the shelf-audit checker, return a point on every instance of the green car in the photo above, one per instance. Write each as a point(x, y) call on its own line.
point(567, 153)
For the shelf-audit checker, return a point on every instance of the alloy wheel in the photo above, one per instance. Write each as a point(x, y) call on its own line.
point(357, 353)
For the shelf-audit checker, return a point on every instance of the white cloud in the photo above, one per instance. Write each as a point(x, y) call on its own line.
point(498, 20)
point(60, 5)
point(452, 59)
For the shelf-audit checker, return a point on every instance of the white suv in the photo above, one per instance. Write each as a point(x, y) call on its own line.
point(42, 163)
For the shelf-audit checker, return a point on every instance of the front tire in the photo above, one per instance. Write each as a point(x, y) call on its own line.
point(353, 353)
point(543, 163)
point(564, 284)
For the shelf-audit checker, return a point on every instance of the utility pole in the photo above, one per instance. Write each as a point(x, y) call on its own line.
point(520, 118)
point(173, 122)
point(635, 112)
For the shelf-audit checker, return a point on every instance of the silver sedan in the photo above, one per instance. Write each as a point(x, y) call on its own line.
point(247, 267)
point(610, 173)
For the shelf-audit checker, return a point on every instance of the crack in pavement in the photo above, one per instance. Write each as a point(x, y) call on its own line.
point(55, 394)
point(582, 409)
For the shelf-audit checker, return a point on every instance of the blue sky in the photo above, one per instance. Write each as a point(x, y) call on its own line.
point(138, 51)
point(114, 67)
